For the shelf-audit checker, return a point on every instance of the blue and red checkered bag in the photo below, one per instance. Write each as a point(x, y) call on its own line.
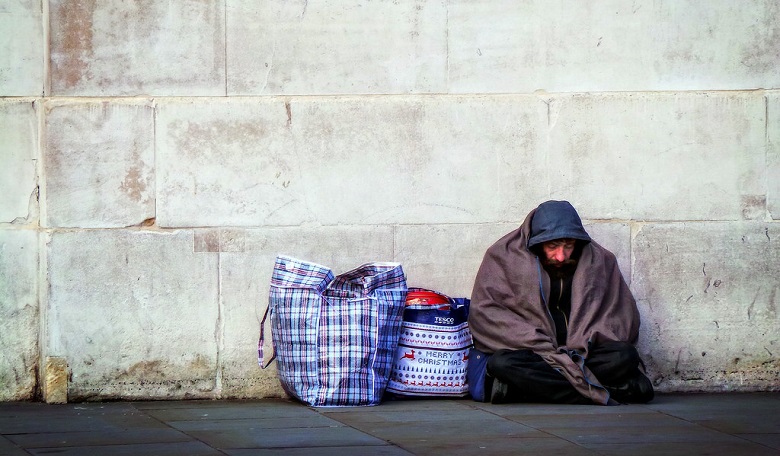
point(335, 336)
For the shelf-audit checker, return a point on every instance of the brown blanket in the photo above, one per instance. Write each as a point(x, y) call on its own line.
point(507, 310)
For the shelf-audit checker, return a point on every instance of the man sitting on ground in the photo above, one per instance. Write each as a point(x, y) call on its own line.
point(552, 318)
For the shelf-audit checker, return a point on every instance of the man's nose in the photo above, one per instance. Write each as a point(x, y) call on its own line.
point(558, 254)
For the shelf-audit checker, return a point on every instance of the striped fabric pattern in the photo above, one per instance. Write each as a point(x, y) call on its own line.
point(335, 337)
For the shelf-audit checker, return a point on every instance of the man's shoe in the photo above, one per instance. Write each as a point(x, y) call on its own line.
point(636, 390)
point(499, 392)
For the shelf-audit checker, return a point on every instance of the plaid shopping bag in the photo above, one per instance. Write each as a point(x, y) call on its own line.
point(433, 350)
point(335, 337)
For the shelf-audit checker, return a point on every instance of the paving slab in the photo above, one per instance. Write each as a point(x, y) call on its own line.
point(99, 437)
point(36, 419)
point(191, 448)
point(249, 425)
point(290, 438)
point(421, 427)
point(497, 446)
point(682, 449)
point(8, 448)
point(604, 434)
point(508, 410)
point(751, 413)
point(323, 451)
point(625, 420)
point(673, 424)
point(768, 440)
point(219, 410)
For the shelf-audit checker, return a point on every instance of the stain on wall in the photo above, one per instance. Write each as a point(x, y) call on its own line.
point(73, 38)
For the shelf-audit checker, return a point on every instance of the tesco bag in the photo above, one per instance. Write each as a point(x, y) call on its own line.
point(432, 354)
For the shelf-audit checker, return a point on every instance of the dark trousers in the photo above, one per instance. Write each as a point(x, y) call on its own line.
point(531, 379)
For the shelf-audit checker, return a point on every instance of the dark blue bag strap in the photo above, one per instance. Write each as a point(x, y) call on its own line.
point(261, 342)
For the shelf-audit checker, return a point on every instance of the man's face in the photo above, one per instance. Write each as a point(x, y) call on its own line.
point(558, 252)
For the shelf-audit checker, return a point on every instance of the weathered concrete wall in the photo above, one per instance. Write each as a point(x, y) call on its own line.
point(156, 156)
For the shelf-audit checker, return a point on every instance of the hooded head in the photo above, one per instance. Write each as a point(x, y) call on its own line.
point(556, 220)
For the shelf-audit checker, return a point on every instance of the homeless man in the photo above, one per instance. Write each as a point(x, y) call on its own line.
point(552, 318)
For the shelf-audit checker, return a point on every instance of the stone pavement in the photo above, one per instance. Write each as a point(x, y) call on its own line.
point(673, 424)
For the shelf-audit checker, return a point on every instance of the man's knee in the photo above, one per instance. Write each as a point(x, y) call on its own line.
point(505, 360)
point(617, 353)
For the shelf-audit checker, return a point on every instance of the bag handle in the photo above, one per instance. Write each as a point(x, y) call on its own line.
point(261, 342)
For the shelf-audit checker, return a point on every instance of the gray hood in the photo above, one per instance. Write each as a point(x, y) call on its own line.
point(556, 220)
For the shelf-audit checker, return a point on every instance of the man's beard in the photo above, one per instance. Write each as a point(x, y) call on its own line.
point(560, 270)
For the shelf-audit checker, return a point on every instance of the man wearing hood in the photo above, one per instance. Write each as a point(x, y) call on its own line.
point(552, 318)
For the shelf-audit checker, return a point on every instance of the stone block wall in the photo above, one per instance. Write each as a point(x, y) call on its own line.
point(155, 156)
